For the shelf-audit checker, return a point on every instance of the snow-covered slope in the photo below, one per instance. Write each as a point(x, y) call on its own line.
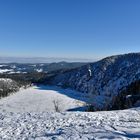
point(41, 99)
point(118, 125)
point(30, 114)
point(103, 80)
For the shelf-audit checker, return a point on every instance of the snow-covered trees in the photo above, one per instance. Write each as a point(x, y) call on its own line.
point(7, 86)
point(104, 79)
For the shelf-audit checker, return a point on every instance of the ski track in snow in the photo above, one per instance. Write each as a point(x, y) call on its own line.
point(29, 114)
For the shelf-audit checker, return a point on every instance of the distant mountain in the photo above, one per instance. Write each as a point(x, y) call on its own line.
point(12, 68)
point(40, 60)
point(113, 82)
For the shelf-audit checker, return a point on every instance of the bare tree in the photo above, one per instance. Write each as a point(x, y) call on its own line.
point(56, 105)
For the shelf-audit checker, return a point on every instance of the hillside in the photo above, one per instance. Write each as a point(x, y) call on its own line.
point(107, 81)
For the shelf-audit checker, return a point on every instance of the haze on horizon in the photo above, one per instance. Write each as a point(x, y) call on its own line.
point(72, 29)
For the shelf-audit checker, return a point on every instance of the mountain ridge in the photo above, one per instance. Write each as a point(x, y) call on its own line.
point(103, 80)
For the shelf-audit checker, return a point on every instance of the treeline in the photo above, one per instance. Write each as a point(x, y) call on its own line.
point(127, 98)
point(25, 78)
point(10, 83)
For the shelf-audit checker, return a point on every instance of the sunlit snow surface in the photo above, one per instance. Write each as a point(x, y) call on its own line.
point(41, 98)
point(29, 114)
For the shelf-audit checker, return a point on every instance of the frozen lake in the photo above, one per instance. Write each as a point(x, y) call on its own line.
point(43, 99)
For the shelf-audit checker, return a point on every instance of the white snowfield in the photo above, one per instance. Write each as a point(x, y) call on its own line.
point(119, 125)
point(29, 115)
point(41, 99)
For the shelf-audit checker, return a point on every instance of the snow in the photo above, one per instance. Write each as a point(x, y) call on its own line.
point(41, 98)
point(29, 114)
point(128, 96)
point(6, 80)
point(39, 70)
point(33, 65)
point(117, 125)
point(5, 70)
point(12, 72)
point(41, 65)
point(2, 65)
point(90, 72)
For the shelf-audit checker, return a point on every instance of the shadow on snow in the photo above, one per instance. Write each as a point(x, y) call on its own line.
point(70, 93)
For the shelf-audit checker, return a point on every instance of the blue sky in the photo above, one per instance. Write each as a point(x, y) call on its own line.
point(69, 28)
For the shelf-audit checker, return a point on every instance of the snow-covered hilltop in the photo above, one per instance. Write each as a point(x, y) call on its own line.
point(106, 80)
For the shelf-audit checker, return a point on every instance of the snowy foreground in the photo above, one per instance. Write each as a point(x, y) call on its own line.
point(29, 114)
point(71, 126)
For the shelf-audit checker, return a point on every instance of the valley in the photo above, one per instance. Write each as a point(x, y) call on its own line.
point(72, 102)
point(69, 69)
